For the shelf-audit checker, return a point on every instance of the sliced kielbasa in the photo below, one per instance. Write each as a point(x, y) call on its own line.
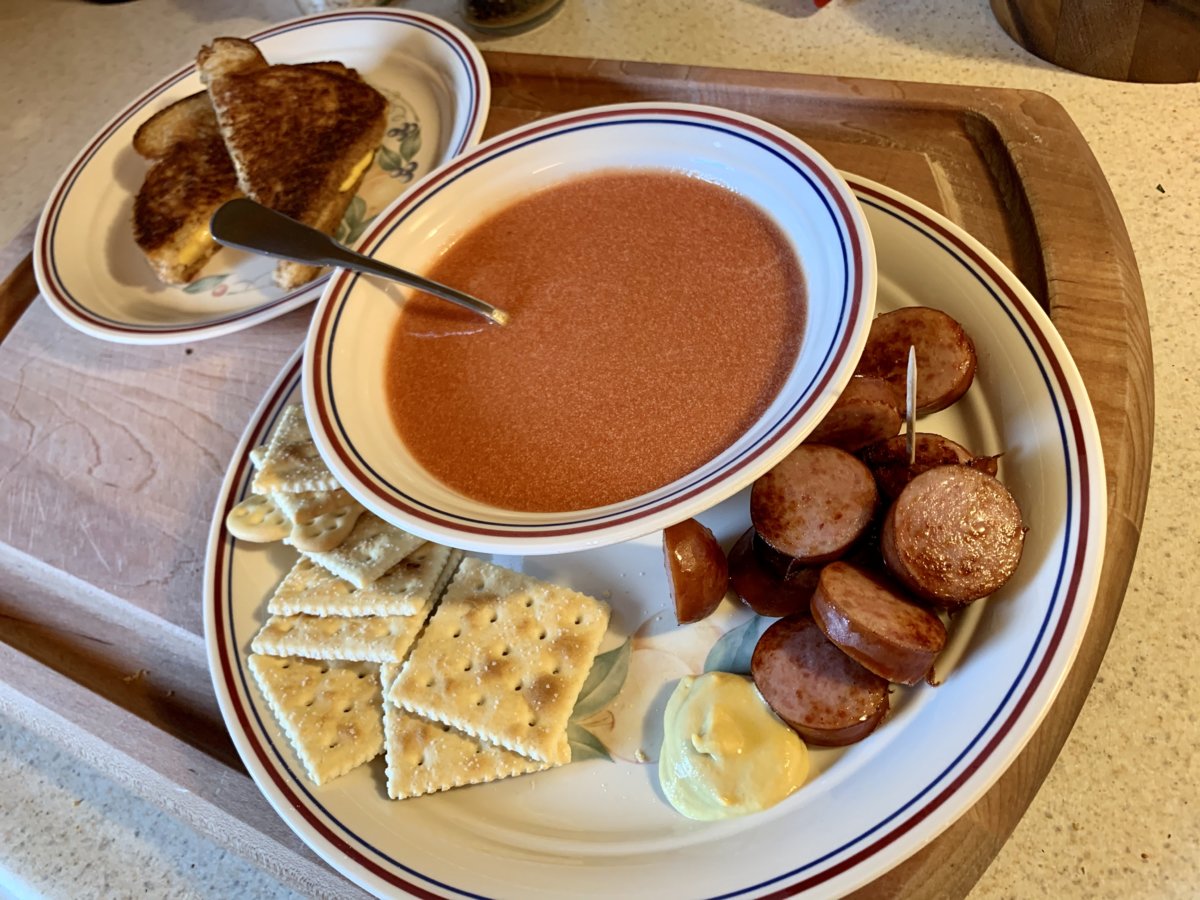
point(827, 697)
point(888, 460)
point(869, 410)
point(767, 589)
point(697, 571)
point(874, 623)
point(945, 355)
point(814, 504)
point(953, 535)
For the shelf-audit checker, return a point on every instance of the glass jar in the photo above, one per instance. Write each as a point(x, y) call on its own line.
point(507, 16)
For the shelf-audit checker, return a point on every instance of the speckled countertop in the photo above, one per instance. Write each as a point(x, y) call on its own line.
point(1118, 816)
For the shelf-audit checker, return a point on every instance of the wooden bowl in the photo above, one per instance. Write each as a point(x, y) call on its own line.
point(1144, 41)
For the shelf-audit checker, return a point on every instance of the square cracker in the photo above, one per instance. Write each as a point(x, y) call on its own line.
point(320, 520)
point(425, 757)
point(504, 658)
point(404, 590)
point(291, 462)
point(370, 549)
point(382, 639)
point(330, 711)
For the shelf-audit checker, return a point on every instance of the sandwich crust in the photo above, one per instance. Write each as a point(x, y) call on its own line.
point(189, 119)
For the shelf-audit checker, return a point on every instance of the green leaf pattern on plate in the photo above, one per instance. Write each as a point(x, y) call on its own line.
point(604, 682)
point(733, 651)
point(228, 284)
point(402, 140)
point(410, 144)
point(354, 222)
point(584, 744)
point(207, 283)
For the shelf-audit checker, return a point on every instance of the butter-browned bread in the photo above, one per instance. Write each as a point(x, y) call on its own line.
point(191, 176)
point(301, 137)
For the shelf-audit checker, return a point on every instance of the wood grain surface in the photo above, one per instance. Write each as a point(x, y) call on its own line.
point(112, 456)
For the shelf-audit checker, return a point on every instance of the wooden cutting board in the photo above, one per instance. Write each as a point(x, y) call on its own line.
point(112, 456)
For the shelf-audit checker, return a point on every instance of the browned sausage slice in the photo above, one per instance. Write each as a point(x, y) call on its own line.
point(814, 504)
point(945, 355)
point(697, 570)
point(827, 697)
point(953, 535)
point(869, 410)
point(875, 624)
point(766, 590)
point(888, 460)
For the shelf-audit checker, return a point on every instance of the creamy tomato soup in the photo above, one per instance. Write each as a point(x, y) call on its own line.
point(654, 317)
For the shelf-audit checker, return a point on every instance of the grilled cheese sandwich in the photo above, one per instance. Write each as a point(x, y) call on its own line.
point(298, 138)
point(301, 137)
point(190, 177)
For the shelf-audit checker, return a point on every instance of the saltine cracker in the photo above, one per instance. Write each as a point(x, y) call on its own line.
point(292, 462)
point(425, 757)
point(404, 590)
point(381, 639)
point(320, 520)
point(504, 658)
point(330, 711)
point(370, 549)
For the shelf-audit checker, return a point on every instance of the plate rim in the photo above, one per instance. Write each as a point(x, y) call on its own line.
point(79, 316)
point(969, 785)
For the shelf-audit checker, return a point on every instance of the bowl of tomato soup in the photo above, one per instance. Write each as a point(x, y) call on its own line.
point(689, 290)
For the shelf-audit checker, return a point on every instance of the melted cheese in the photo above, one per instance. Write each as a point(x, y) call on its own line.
point(724, 752)
point(199, 243)
point(359, 168)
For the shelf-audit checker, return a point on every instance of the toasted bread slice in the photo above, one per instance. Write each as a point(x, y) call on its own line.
point(191, 176)
point(189, 119)
point(301, 137)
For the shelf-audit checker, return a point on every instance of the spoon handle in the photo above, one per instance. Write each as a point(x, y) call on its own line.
point(247, 225)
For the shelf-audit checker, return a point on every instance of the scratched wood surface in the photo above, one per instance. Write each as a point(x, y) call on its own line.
point(111, 456)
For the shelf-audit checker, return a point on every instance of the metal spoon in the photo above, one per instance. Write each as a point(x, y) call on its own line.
point(248, 225)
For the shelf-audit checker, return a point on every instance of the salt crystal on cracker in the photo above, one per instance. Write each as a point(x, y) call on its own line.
point(425, 757)
point(257, 519)
point(320, 520)
point(382, 639)
point(504, 658)
point(401, 591)
point(330, 711)
point(292, 462)
point(370, 549)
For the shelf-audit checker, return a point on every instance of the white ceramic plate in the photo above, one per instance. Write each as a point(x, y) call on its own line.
point(600, 828)
point(91, 271)
point(349, 344)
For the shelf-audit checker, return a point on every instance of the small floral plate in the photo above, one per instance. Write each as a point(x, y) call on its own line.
point(95, 277)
